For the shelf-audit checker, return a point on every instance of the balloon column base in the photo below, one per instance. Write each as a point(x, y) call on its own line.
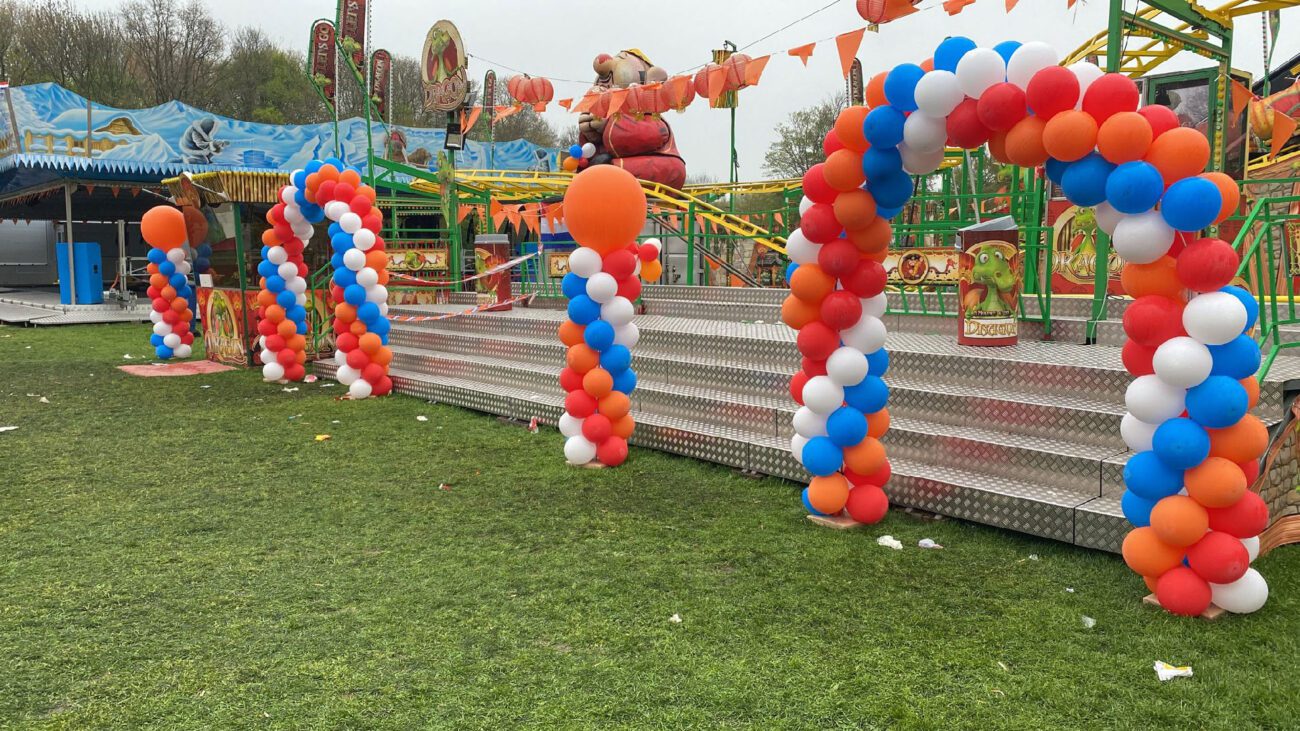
point(592, 465)
point(838, 522)
point(1212, 613)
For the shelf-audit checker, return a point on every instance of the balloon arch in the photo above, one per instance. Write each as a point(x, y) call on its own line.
point(1197, 447)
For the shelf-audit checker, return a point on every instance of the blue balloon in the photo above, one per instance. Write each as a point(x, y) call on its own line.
point(286, 299)
point(177, 280)
point(616, 358)
point(883, 127)
point(846, 426)
point(1218, 402)
point(1084, 182)
point(900, 86)
point(275, 283)
point(381, 327)
point(354, 294)
point(301, 327)
point(1151, 478)
point(575, 150)
point(1237, 359)
point(345, 277)
point(584, 310)
point(265, 268)
point(807, 505)
point(155, 340)
point(336, 261)
point(599, 335)
point(167, 268)
point(265, 250)
point(869, 396)
point(202, 265)
point(625, 381)
point(790, 270)
point(948, 53)
point(878, 362)
point(206, 250)
point(300, 180)
point(1135, 187)
point(313, 166)
point(164, 352)
point(1247, 301)
point(368, 312)
point(300, 198)
point(888, 212)
point(821, 457)
point(156, 256)
point(334, 229)
point(1056, 169)
point(335, 161)
point(341, 242)
point(573, 285)
point(881, 162)
point(1191, 204)
point(1181, 444)
point(1005, 49)
point(313, 213)
point(297, 313)
point(1136, 508)
point(891, 191)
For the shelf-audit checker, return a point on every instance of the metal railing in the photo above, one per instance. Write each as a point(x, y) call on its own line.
point(1269, 268)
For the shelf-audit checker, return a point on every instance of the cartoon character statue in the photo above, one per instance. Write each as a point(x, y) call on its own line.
point(994, 272)
point(642, 145)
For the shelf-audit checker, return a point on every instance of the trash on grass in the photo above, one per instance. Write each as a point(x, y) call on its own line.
point(7, 428)
point(205, 386)
point(322, 437)
point(1165, 671)
point(927, 543)
point(309, 378)
point(444, 487)
point(532, 425)
point(675, 619)
point(127, 356)
point(289, 390)
point(1069, 589)
point(1088, 622)
point(327, 384)
point(890, 542)
point(1033, 557)
point(44, 400)
point(421, 417)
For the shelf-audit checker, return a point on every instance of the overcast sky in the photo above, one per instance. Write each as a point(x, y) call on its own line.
point(559, 38)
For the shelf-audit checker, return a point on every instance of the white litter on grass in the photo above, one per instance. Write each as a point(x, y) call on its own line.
point(890, 542)
point(7, 428)
point(205, 386)
point(675, 619)
point(289, 390)
point(1033, 557)
point(1088, 622)
point(336, 421)
point(927, 543)
point(309, 379)
point(1069, 589)
point(44, 400)
point(421, 417)
point(1165, 671)
point(327, 384)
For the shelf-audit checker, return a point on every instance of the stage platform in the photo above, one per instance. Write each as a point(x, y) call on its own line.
point(39, 306)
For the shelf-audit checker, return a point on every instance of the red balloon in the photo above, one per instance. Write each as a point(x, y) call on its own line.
point(580, 404)
point(817, 341)
point(841, 310)
point(188, 338)
point(813, 367)
point(1207, 265)
point(878, 478)
point(1180, 591)
point(965, 129)
point(646, 252)
point(1153, 319)
point(570, 380)
point(1218, 558)
point(295, 372)
point(867, 278)
point(1245, 518)
point(347, 342)
point(838, 258)
point(286, 357)
point(819, 224)
point(612, 452)
point(383, 388)
point(1250, 469)
point(1110, 94)
point(356, 359)
point(372, 374)
point(629, 288)
point(1161, 118)
point(360, 205)
point(619, 264)
point(831, 143)
point(1182, 239)
point(1002, 105)
point(1137, 358)
point(816, 187)
point(867, 504)
point(1051, 91)
point(797, 382)
point(596, 428)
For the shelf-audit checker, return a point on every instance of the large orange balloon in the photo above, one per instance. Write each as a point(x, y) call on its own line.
point(828, 494)
point(1070, 135)
point(1124, 137)
point(1146, 554)
point(1215, 483)
point(1179, 520)
point(811, 284)
point(1179, 153)
point(854, 209)
point(652, 270)
point(1241, 442)
point(1160, 277)
point(848, 128)
point(875, 91)
point(604, 208)
point(865, 457)
point(843, 170)
point(163, 227)
point(796, 313)
point(623, 427)
point(1228, 191)
point(1024, 143)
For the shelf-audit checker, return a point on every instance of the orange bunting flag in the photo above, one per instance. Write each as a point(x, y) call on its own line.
point(498, 214)
point(776, 216)
point(1283, 128)
point(717, 81)
point(616, 99)
point(956, 6)
point(554, 214)
point(803, 52)
point(1070, 3)
point(1241, 97)
point(462, 211)
point(754, 70)
point(1011, 4)
point(586, 102)
point(848, 45)
point(512, 215)
point(566, 103)
point(468, 124)
point(503, 112)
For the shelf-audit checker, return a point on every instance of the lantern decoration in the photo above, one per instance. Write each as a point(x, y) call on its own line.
point(679, 92)
point(605, 210)
point(533, 90)
point(883, 11)
point(163, 228)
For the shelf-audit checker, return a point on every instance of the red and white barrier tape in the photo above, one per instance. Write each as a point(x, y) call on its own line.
point(477, 308)
point(448, 282)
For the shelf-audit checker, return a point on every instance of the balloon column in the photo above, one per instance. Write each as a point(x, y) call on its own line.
point(163, 228)
point(579, 157)
point(604, 209)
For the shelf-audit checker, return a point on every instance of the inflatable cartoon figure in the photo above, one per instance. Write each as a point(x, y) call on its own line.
point(642, 145)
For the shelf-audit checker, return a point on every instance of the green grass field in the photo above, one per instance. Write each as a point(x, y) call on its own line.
point(182, 553)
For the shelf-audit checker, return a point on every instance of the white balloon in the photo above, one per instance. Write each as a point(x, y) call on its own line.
point(287, 270)
point(923, 132)
point(300, 299)
point(1086, 72)
point(1136, 433)
point(804, 204)
point(602, 287)
point(920, 162)
point(172, 340)
point(652, 241)
point(286, 195)
point(277, 256)
point(367, 277)
point(979, 69)
point(1143, 238)
point(570, 425)
point(584, 262)
point(354, 259)
point(155, 316)
point(297, 285)
point(184, 351)
point(266, 355)
point(578, 450)
point(340, 358)
point(847, 366)
point(176, 255)
point(588, 150)
point(293, 215)
point(797, 443)
point(874, 307)
point(1243, 596)
point(1154, 401)
point(809, 423)
point(1107, 217)
point(618, 311)
point(335, 210)
point(161, 328)
point(377, 294)
point(938, 93)
point(1183, 362)
point(363, 239)
point(383, 309)
point(1252, 546)
point(1214, 318)
point(183, 268)
point(867, 336)
point(272, 372)
point(627, 335)
point(1028, 60)
point(303, 230)
point(800, 249)
point(360, 389)
point(347, 375)
point(350, 222)
point(822, 395)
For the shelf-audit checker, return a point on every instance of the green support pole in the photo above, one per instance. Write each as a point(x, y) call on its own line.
point(689, 232)
point(1115, 36)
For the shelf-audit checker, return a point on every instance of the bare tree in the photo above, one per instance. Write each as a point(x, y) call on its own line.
point(173, 48)
point(8, 31)
point(53, 41)
point(798, 144)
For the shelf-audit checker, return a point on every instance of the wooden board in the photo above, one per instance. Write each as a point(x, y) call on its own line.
point(838, 522)
point(1209, 614)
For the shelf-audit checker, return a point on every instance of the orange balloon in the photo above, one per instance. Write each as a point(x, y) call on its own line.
point(622, 428)
point(383, 356)
point(875, 237)
point(286, 329)
point(1252, 391)
point(848, 128)
point(358, 328)
point(1160, 277)
point(865, 457)
point(275, 313)
point(614, 405)
point(1179, 520)
point(1228, 191)
point(878, 423)
point(351, 177)
point(571, 332)
point(854, 209)
point(1124, 137)
point(295, 341)
point(811, 284)
point(1070, 135)
point(597, 382)
point(158, 280)
point(300, 356)
point(843, 170)
point(153, 269)
point(269, 238)
point(370, 343)
point(163, 227)
point(1179, 153)
point(875, 91)
point(570, 164)
point(265, 298)
point(376, 260)
point(796, 313)
point(998, 146)
point(1241, 442)
point(168, 293)
point(828, 494)
point(927, 65)
point(1024, 142)
point(344, 312)
point(652, 270)
point(179, 305)
point(383, 277)
point(879, 256)
point(1150, 581)
point(1215, 483)
point(604, 208)
point(581, 358)
point(1146, 554)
